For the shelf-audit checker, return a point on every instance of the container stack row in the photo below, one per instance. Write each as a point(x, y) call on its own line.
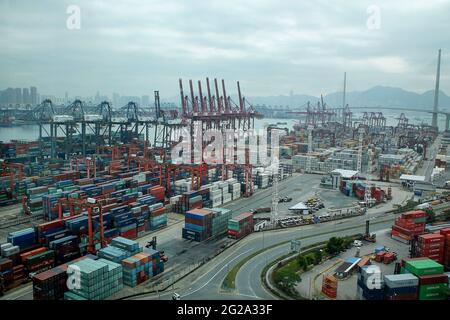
point(240, 226)
point(410, 224)
point(433, 283)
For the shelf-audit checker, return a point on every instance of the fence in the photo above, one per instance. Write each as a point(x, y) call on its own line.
point(20, 220)
point(165, 280)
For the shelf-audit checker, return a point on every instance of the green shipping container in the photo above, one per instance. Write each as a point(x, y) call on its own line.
point(404, 270)
point(40, 257)
point(433, 291)
point(424, 267)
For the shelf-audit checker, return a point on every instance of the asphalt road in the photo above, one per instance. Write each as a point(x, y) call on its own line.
point(205, 283)
point(428, 165)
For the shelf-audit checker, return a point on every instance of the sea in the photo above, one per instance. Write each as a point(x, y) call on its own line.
point(31, 132)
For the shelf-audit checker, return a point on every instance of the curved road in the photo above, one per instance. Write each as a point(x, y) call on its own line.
point(205, 282)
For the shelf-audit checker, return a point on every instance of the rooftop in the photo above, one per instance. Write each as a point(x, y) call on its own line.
point(346, 174)
point(299, 206)
point(411, 177)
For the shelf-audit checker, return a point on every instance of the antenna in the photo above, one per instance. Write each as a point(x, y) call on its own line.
point(308, 159)
point(359, 163)
point(436, 92)
point(344, 92)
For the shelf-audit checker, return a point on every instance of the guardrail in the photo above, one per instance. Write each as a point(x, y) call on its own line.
point(20, 220)
point(299, 221)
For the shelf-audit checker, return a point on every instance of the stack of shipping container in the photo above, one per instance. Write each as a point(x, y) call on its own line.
point(156, 262)
point(329, 286)
point(409, 225)
point(136, 269)
point(220, 221)
point(240, 226)
point(358, 189)
point(52, 284)
point(369, 286)
point(401, 286)
point(126, 264)
point(99, 279)
point(432, 246)
point(433, 283)
point(446, 233)
point(198, 225)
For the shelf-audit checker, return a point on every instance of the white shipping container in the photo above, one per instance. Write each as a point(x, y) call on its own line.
point(216, 202)
point(236, 196)
point(215, 193)
point(175, 199)
point(401, 280)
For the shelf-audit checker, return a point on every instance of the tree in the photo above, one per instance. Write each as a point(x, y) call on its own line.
point(310, 259)
point(334, 245)
point(318, 256)
point(431, 216)
point(302, 263)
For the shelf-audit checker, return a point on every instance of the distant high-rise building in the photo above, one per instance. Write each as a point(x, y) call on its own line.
point(97, 97)
point(116, 99)
point(145, 100)
point(10, 96)
point(66, 98)
point(18, 95)
point(34, 96)
point(125, 99)
point(26, 96)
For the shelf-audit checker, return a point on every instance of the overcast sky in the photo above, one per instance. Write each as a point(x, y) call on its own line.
point(134, 47)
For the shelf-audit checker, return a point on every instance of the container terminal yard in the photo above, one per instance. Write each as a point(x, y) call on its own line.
point(213, 197)
point(95, 193)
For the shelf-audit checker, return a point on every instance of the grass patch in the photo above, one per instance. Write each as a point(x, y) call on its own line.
point(230, 280)
point(286, 276)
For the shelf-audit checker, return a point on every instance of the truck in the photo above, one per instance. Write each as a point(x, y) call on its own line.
point(163, 256)
point(261, 210)
point(423, 206)
point(285, 199)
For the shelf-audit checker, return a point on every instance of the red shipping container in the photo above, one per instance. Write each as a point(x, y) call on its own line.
point(431, 238)
point(401, 235)
point(409, 223)
point(409, 296)
point(232, 232)
point(379, 256)
point(427, 252)
point(25, 255)
point(432, 245)
point(194, 221)
point(50, 225)
point(433, 279)
point(414, 214)
point(445, 231)
point(130, 234)
point(158, 212)
point(438, 259)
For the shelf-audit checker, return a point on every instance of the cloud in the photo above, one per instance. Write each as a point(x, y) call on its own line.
point(135, 47)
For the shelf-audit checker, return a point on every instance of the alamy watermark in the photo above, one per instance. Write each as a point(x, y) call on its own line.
point(374, 280)
point(74, 277)
point(373, 21)
point(227, 147)
point(73, 21)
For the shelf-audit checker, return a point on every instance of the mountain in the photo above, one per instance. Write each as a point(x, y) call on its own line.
point(374, 97)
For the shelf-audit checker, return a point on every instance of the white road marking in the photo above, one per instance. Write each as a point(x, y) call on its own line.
point(220, 270)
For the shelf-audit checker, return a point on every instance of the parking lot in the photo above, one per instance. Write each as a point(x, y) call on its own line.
point(311, 283)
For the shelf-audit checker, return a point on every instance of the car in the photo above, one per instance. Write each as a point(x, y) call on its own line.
point(357, 243)
point(176, 296)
